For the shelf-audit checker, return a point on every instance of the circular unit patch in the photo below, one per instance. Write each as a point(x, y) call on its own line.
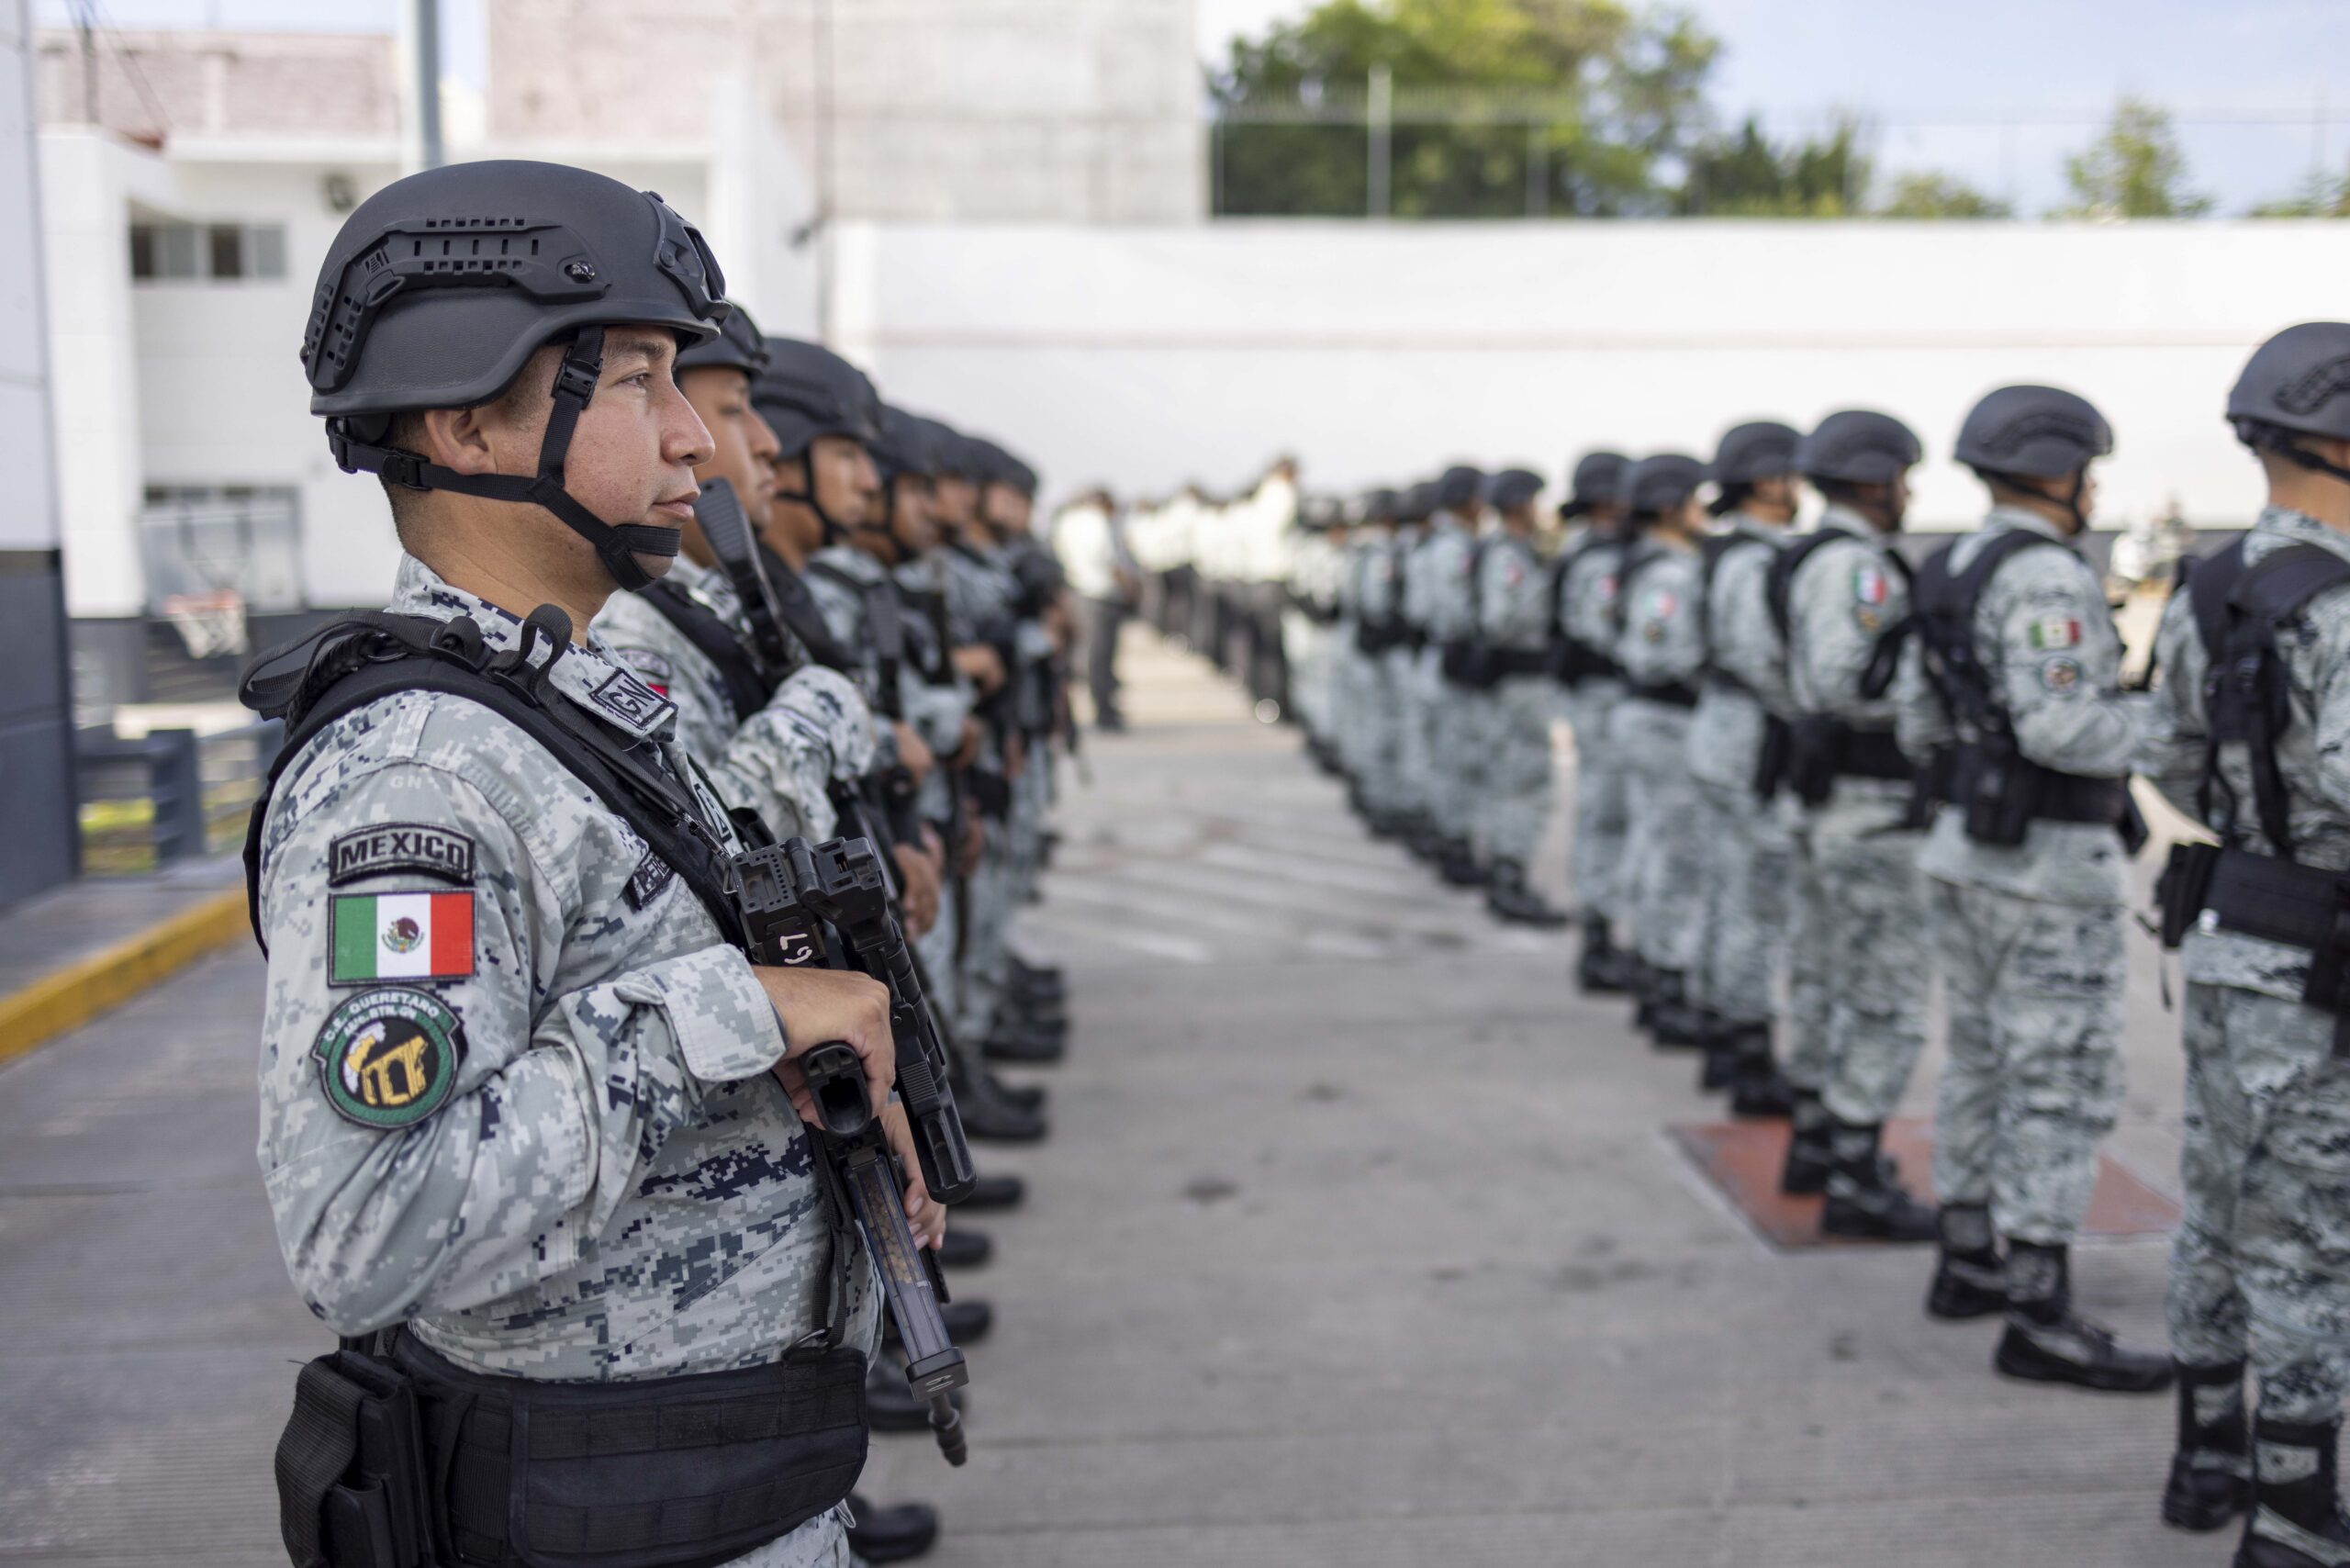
point(388, 1058)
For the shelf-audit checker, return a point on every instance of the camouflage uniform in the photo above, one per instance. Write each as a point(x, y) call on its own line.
point(1587, 614)
point(1867, 926)
point(980, 593)
point(1750, 850)
point(2030, 937)
point(780, 762)
point(2261, 1262)
point(1663, 858)
point(599, 1178)
point(1514, 610)
point(1437, 590)
point(1381, 706)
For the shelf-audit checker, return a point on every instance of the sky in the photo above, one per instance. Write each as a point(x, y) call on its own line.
point(1917, 66)
point(1995, 91)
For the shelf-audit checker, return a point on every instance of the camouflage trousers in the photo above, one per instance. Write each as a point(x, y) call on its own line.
point(1749, 863)
point(1375, 721)
point(1416, 681)
point(2261, 1263)
point(2034, 991)
point(1600, 821)
point(1805, 1057)
point(1876, 954)
point(1517, 776)
point(1664, 871)
point(1458, 729)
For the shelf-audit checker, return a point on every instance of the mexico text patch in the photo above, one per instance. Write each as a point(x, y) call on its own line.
point(388, 1057)
point(417, 935)
point(401, 847)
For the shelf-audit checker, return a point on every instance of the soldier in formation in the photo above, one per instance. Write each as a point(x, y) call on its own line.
point(534, 1123)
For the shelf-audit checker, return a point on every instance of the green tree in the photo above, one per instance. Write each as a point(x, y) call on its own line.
point(1745, 175)
point(1940, 196)
point(2134, 170)
point(2321, 195)
point(1581, 100)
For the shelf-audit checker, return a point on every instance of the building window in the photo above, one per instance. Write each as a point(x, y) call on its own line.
point(183, 252)
point(204, 539)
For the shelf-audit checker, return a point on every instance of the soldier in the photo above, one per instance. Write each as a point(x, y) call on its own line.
point(1514, 614)
point(1441, 583)
point(2260, 1267)
point(1586, 578)
point(1741, 707)
point(2015, 712)
point(1659, 650)
point(1379, 703)
point(1836, 594)
point(502, 1042)
point(1406, 679)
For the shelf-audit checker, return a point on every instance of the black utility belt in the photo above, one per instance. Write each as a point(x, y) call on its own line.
point(2001, 794)
point(1671, 693)
point(452, 1467)
point(2055, 797)
point(1509, 662)
point(1575, 663)
point(2275, 901)
point(1820, 750)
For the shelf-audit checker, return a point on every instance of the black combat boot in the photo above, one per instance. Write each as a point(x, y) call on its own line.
point(989, 1116)
point(1015, 1042)
point(995, 1192)
point(1864, 1199)
point(1809, 1154)
point(1511, 899)
point(965, 1247)
point(1757, 1092)
point(1423, 839)
point(1673, 1023)
point(1970, 1281)
point(890, 1405)
point(894, 1534)
point(2211, 1475)
point(1027, 1096)
point(2046, 1341)
point(2297, 1498)
point(1034, 980)
point(1598, 971)
point(1719, 1037)
point(1457, 864)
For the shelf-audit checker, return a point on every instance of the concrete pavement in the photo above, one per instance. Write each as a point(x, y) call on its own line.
point(1361, 1240)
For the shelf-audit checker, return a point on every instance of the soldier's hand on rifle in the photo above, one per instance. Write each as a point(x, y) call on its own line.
point(913, 751)
point(917, 888)
point(982, 667)
point(927, 1220)
point(822, 1006)
point(967, 746)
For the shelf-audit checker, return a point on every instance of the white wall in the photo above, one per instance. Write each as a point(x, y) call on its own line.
point(29, 519)
point(1377, 352)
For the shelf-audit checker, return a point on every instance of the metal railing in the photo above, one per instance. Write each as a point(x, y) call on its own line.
point(168, 795)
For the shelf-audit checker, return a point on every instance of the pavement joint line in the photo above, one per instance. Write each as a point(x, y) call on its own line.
point(68, 997)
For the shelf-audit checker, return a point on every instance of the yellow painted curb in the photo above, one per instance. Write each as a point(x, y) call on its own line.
point(68, 998)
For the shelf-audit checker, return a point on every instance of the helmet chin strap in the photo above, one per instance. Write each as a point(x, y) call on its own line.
point(617, 544)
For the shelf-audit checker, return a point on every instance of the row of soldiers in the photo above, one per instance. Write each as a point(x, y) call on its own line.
point(536, 1100)
point(1813, 771)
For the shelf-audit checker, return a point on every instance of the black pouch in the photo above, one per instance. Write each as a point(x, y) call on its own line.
point(353, 1488)
point(991, 792)
point(2181, 889)
point(1463, 663)
point(1998, 799)
point(1811, 759)
point(1770, 758)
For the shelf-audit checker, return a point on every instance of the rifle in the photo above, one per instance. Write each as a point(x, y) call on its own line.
point(828, 904)
point(720, 512)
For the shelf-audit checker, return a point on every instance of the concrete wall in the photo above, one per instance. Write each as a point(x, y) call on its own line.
point(1377, 352)
point(41, 846)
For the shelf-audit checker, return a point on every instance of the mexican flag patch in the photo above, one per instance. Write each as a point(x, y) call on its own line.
point(401, 937)
point(2054, 632)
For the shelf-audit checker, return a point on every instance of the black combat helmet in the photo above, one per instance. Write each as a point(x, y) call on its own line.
point(1659, 483)
point(442, 286)
point(808, 391)
point(999, 467)
point(2033, 433)
point(2296, 384)
point(1457, 487)
point(1858, 446)
point(1417, 503)
point(903, 448)
point(1598, 477)
point(1748, 453)
point(1512, 487)
point(1380, 506)
point(737, 346)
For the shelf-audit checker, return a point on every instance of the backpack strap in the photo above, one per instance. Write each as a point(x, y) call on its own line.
point(748, 684)
point(1712, 551)
point(1942, 600)
point(883, 627)
point(1778, 589)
